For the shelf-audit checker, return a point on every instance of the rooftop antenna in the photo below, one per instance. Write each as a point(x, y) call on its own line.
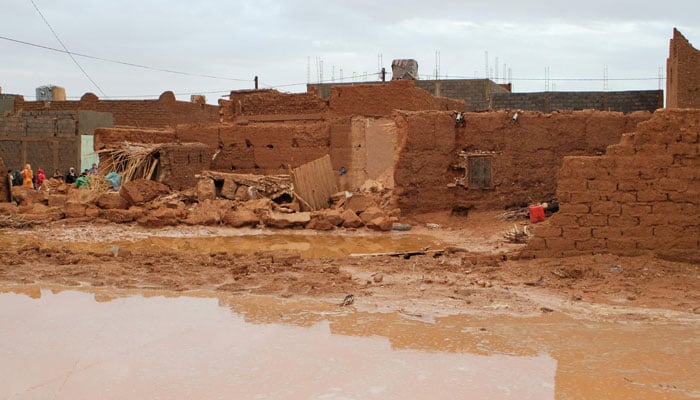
point(605, 78)
point(320, 63)
point(486, 64)
point(546, 79)
point(510, 78)
point(333, 73)
point(341, 74)
point(495, 76)
point(504, 73)
point(308, 69)
point(661, 74)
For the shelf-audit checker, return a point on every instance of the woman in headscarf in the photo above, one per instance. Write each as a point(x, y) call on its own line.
point(27, 176)
point(40, 178)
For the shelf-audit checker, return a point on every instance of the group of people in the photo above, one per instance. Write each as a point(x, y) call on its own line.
point(27, 178)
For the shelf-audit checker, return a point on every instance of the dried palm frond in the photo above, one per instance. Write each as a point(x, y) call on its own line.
point(517, 235)
point(14, 221)
point(131, 160)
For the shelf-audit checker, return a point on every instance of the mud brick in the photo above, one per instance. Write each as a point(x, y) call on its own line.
point(57, 200)
point(571, 184)
point(678, 172)
point(683, 243)
point(620, 150)
point(683, 148)
point(636, 209)
point(669, 184)
point(595, 245)
point(669, 231)
point(559, 244)
point(535, 243)
point(547, 230)
point(651, 195)
point(593, 220)
point(564, 219)
point(653, 172)
point(638, 232)
point(690, 137)
point(585, 197)
point(622, 197)
point(606, 208)
point(606, 232)
point(692, 195)
point(623, 221)
point(632, 185)
point(649, 151)
point(667, 208)
point(569, 208)
point(75, 210)
point(602, 185)
point(576, 232)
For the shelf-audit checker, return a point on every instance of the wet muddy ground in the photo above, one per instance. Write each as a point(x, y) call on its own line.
point(611, 326)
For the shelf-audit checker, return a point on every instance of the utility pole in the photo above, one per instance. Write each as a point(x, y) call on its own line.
point(383, 74)
point(256, 82)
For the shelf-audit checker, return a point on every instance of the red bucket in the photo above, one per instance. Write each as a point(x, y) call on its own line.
point(536, 214)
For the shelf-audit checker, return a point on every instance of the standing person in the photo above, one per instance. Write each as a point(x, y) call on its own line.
point(93, 170)
point(71, 176)
point(40, 178)
point(57, 174)
point(27, 176)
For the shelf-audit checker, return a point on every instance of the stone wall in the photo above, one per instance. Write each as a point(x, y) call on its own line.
point(161, 113)
point(625, 101)
point(682, 74)
point(524, 154)
point(642, 196)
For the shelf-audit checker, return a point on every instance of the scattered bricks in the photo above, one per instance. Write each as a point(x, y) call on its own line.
point(606, 232)
point(576, 232)
point(75, 210)
point(606, 208)
point(57, 200)
point(636, 209)
point(546, 230)
point(569, 208)
point(559, 244)
point(593, 245)
point(593, 220)
point(602, 185)
point(112, 201)
point(623, 221)
point(584, 197)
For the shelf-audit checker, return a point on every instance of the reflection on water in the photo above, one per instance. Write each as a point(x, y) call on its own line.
point(118, 344)
point(67, 345)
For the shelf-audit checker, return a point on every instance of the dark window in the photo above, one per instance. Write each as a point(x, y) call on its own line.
point(479, 172)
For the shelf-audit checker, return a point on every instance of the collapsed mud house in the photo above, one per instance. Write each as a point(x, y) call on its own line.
point(432, 153)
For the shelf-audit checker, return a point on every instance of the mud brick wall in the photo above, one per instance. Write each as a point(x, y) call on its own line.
point(161, 113)
point(525, 155)
point(5, 191)
point(682, 74)
point(179, 163)
point(625, 101)
point(263, 102)
point(642, 196)
point(381, 100)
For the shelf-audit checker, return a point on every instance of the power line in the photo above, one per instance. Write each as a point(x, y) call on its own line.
point(66, 49)
point(122, 62)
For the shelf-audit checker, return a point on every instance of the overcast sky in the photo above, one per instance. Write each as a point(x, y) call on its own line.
point(286, 42)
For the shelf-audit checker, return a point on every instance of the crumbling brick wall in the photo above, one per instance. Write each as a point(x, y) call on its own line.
point(524, 154)
point(270, 102)
point(381, 100)
point(682, 74)
point(161, 113)
point(179, 163)
point(642, 196)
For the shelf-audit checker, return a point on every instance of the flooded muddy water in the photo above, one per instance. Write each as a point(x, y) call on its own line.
point(119, 344)
point(308, 245)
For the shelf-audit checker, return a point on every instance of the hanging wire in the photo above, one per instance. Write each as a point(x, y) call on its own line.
point(66, 49)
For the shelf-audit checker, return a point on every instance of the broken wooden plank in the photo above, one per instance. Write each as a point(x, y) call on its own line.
point(401, 253)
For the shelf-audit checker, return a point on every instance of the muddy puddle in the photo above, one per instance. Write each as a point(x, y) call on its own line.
point(118, 344)
point(308, 245)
